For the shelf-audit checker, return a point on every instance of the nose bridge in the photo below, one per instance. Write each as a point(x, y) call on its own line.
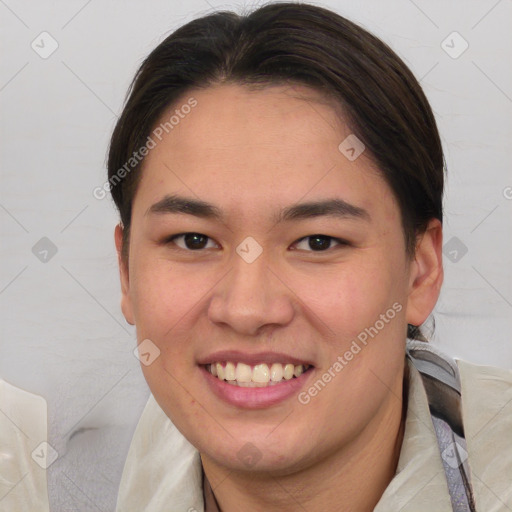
point(250, 296)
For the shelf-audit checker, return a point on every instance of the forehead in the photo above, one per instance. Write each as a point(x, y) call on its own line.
point(231, 117)
point(271, 145)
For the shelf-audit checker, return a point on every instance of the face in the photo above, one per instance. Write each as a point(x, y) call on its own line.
point(257, 247)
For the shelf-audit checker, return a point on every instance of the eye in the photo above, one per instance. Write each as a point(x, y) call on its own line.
point(317, 243)
point(198, 241)
point(192, 241)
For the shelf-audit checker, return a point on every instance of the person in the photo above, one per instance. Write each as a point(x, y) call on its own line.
point(279, 178)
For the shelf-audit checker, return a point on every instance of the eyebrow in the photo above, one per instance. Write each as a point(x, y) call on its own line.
point(174, 204)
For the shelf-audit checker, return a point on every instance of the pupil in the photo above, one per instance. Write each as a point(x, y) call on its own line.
point(195, 241)
point(319, 242)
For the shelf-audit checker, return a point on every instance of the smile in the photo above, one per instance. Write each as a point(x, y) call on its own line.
point(259, 375)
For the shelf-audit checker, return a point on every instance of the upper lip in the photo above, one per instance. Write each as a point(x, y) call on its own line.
point(252, 359)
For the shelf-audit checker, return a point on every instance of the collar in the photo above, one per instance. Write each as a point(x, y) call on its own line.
point(163, 470)
point(428, 489)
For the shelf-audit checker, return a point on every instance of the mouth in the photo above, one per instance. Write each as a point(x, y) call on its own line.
point(255, 380)
point(260, 375)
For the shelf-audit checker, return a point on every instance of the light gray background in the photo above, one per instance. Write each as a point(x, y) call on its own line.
point(62, 332)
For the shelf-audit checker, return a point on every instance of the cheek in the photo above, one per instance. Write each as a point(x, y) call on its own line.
point(163, 294)
point(165, 300)
point(350, 297)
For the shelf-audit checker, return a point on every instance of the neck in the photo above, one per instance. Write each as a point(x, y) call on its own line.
point(353, 478)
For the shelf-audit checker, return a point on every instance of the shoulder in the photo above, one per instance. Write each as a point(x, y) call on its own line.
point(486, 393)
point(487, 418)
point(162, 469)
point(488, 376)
point(486, 399)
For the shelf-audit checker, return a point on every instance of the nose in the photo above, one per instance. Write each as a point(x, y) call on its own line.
point(251, 298)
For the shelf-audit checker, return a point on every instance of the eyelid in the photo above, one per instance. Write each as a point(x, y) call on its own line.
point(172, 238)
point(339, 241)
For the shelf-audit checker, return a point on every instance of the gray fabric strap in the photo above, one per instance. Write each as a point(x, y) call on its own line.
point(442, 384)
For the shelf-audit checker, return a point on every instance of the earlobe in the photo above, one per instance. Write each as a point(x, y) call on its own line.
point(126, 303)
point(426, 274)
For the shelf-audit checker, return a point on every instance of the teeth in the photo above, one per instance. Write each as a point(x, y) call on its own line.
point(220, 371)
point(229, 371)
point(288, 371)
point(261, 373)
point(276, 372)
point(243, 375)
point(243, 372)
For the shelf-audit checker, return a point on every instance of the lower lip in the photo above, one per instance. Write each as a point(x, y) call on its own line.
point(256, 398)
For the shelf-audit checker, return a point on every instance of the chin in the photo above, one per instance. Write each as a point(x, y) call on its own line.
point(258, 452)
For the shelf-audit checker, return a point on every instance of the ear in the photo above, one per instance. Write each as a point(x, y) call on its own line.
point(126, 302)
point(426, 274)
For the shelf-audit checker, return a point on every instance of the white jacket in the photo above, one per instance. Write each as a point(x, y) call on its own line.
point(163, 470)
point(24, 454)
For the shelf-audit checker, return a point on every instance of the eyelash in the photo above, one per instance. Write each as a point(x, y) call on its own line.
point(339, 241)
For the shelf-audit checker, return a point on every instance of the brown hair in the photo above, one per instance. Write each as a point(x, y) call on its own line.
point(292, 43)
